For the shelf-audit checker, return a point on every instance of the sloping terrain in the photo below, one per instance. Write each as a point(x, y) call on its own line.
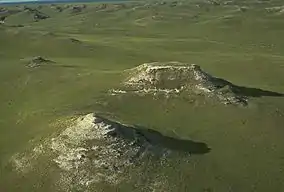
point(175, 77)
point(95, 149)
point(166, 126)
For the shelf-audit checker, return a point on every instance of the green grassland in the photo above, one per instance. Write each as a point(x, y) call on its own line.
point(92, 48)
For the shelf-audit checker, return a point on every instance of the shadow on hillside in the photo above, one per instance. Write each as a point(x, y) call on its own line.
point(150, 138)
point(246, 91)
point(255, 92)
point(175, 144)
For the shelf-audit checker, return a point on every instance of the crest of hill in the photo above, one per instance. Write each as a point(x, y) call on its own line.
point(175, 77)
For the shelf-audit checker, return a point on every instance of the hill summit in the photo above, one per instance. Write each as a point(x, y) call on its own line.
point(176, 77)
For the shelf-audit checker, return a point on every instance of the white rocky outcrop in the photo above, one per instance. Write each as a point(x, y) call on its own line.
point(173, 78)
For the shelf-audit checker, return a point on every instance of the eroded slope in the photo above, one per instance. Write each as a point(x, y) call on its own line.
point(176, 77)
point(95, 150)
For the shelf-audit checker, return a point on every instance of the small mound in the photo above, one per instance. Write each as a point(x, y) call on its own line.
point(78, 8)
point(39, 61)
point(102, 6)
point(95, 149)
point(58, 8)
point(37, 15)
point(112, 148)
point(277, 9)
point(73, 40)
point(2, 19)
point(175, 77)
point(49, 34)
point(40, 16)
point(243, 9)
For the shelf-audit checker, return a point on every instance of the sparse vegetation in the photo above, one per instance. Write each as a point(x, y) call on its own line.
point(175, 77)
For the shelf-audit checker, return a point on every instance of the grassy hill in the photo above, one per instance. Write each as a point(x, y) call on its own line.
point(93, 46)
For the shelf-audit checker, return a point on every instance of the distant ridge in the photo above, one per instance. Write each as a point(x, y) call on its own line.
point(55, 1)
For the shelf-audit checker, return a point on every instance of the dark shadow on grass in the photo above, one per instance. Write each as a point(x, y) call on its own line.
point(255, 92)
point(157, 139)
point(246, 91)
point(68, 66)
point(73, 40)
point(61, 66)
point(150, 138)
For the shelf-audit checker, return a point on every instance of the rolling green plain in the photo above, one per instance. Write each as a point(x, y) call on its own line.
point(240, 41)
